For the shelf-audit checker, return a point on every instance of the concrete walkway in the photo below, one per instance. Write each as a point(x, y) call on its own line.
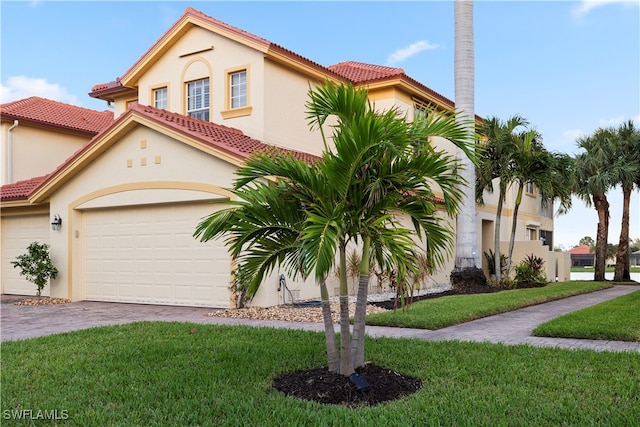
point(22, 322)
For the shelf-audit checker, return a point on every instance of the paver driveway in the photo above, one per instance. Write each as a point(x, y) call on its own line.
point(21, 322)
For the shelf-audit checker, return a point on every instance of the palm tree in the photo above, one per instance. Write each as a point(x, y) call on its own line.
point(592, 180)
point(381, 167)
point(495, 163)
point(627, 147)
point(530, 164)
point(467, 259)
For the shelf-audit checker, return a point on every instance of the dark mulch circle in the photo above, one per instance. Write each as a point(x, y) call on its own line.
point(329, 388)
point(326, 387)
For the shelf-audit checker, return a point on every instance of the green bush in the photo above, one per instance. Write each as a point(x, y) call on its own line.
point(531, 270)
point(36, 265)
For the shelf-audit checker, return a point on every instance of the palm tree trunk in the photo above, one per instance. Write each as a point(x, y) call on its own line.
point(467, 256)
point(496, 239)
point(357, 341)
point(514, 224)
point(333, 361)
point(602, 206)
point(622, 255)
point(346, 361)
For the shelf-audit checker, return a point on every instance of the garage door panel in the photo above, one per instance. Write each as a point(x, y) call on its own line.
point(17, 234)
point(149, 255)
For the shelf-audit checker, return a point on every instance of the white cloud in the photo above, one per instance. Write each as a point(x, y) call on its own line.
point(19, 87)
point(572, 134)
point(404, 53)
point(586, 6)
point(615, 121)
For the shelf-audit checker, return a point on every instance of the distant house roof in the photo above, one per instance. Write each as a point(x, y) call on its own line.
point(41, 111)
point(581, 250)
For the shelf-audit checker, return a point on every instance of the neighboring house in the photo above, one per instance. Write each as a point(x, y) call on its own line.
point(634, 259)
point(37, 135)
point(582, 256)
point(187, 114)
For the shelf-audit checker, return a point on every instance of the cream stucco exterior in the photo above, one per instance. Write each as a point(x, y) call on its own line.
point(35, 151)
point(142, 167)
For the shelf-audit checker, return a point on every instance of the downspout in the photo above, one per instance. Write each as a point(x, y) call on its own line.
point(10, 153)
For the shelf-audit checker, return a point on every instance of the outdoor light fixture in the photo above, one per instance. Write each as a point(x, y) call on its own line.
point(56, 224)
point(360, 382)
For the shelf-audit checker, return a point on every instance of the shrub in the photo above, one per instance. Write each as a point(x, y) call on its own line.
point(491, 261)
point(36, 265)
point(531, 270)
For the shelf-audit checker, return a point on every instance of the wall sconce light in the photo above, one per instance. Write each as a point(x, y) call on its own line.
point(56, 224)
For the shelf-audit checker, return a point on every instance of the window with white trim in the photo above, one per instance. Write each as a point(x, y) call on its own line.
point(198, 99)
point(160, 98)
point(238, 89)
point(529, 188)
point(531, 234)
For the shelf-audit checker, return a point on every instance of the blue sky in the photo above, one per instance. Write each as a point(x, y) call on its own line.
point(568, 67)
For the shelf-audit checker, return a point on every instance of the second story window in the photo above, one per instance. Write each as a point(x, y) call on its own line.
point(529, 187)
point(238, 86)
point(160, 98)
point(198, 99)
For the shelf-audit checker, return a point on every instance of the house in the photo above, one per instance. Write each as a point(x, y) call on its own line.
point(634, 259)
point(185, 116)
point(582, 256)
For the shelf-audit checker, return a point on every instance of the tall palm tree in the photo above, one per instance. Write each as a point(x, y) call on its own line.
point(627, 147)
point(592, 180)
point(531, 163)
point(356, 193)
point(495, 163)
point(467, 259)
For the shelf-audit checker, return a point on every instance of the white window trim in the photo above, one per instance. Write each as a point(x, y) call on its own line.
point(155, 90)
point(205, 97)
point(245, 110)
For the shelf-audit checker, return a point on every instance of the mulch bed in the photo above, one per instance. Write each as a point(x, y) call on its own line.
point(322, 386)
point(42, 301)
point(326, 387)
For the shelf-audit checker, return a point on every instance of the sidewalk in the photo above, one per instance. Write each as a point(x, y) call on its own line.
point(21, 322)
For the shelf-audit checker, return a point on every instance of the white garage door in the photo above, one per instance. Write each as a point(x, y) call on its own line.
point(17, 234)
point(149, 255)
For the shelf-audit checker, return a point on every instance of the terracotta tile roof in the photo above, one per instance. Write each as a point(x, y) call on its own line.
point(358, 72)
point(230, 140)
point(58, 114)
point(581, 250)
point(20, 190)
point(116, 86)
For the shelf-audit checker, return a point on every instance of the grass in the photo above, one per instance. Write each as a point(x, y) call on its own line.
point(617, 319)
point(452, 310)
point(161, 374)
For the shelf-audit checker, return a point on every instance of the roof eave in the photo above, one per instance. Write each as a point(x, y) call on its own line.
point(46, 125)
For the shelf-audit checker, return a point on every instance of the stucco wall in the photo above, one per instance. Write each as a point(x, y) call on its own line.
point(36, 152)
point(163, 164)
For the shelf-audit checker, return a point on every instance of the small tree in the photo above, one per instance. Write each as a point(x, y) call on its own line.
point(36, 265)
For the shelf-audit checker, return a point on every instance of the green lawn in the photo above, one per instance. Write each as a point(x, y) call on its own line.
point(452, 310)
point(161, 374)
point(617, 319)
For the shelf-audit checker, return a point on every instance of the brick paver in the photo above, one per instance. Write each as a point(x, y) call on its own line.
point(22, 322)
